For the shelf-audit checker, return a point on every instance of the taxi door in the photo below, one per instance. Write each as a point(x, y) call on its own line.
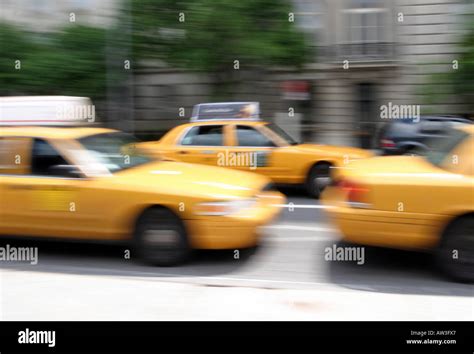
point(202, 144)
point(252, 150)
point(48, 198)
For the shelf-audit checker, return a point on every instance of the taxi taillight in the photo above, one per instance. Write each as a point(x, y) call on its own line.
point(357, 194)
point(387, 143)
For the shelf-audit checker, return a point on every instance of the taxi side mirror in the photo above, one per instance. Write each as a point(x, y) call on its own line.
point(67, 171)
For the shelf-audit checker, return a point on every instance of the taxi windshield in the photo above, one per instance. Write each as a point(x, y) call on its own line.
point(281, 133)
point(441, 148)
point(115, 150)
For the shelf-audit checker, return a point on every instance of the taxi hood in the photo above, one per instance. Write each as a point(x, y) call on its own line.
point(192, 179)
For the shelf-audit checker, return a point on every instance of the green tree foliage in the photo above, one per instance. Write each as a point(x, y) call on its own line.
point(14, 45)
point(69, 62)
point(201, 35)
point(464, 77)
point(458, 81)
point(209, 35)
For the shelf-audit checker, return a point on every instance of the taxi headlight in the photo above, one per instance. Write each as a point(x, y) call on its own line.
point(223, 208)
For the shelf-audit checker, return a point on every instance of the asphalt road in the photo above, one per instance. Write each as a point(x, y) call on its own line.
point(290, 256)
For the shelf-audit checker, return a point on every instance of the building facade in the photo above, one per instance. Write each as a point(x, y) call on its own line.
point(378, 52)
point(369, 53)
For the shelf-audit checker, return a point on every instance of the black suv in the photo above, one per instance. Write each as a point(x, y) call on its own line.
point(410, 136)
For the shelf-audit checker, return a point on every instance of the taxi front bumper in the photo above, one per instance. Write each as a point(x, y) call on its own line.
point(234, 231)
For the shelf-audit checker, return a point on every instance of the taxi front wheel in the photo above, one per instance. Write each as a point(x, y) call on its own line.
point(455, 254)
point(318, 178)
point(160, 238)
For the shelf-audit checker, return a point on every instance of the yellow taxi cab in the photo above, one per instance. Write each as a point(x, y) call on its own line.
point(89, 183)
point(413, 202)
point(232, 135)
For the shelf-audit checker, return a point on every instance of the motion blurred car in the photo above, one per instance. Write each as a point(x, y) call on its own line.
point(413, 202)
point(411, 136)
point(89, 183)
point(220, 133)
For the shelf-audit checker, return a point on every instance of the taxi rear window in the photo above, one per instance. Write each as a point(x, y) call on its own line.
point(205, 135)
point(14, 155)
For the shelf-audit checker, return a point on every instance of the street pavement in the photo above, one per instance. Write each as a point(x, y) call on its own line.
point(285, 277)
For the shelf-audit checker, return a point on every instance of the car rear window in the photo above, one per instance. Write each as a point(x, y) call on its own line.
point(442, 148)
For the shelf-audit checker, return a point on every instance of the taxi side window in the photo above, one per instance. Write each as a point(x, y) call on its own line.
point(248, 136)
point(14, 155)
point(205, 135)
point(46, 160)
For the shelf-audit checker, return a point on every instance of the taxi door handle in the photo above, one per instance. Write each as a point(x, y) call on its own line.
point(182, 152)
point(208, 152)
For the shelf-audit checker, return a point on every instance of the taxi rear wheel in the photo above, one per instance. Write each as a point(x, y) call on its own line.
point(318, 178)
point(160, 238)
point(455, 255)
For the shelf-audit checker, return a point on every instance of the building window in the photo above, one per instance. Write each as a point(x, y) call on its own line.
point(368, 28)
point(309, 17)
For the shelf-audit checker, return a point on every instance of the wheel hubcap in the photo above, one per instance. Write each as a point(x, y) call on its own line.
point(322, 182)
point(161, 237)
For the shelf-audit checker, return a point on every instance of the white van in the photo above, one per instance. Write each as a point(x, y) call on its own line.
point(46, 110)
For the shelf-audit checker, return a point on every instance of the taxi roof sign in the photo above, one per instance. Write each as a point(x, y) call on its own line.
point(226, 111)
point(46, 110)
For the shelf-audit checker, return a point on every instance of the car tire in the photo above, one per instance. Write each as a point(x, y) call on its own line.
point(318, 178)
point(161, 239)
point(412, 151)
point(455, 254)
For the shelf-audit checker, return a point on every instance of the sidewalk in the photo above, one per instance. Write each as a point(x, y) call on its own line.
point(44, 296)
